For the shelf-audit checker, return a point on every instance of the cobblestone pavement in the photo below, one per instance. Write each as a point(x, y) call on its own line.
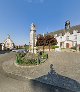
point(15, 84)
point(67, 64)
point(8, 84)
point(64, 63)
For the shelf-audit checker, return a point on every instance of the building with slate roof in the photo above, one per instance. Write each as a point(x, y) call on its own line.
point(68, 37)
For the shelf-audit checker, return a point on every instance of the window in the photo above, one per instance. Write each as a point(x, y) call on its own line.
point(7, 44)
point(67, 38)
point(61, 37)
point(75, 37)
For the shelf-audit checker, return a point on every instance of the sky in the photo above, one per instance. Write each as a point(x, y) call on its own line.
point(16, 17)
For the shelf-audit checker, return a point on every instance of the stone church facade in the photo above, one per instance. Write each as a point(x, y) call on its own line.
point(8, 44)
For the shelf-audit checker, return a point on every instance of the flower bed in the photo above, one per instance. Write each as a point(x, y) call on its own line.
point(31, 59)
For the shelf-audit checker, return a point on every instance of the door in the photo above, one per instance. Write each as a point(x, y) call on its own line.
point(67, 45)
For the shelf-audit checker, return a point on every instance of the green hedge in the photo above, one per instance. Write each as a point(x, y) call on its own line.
point(44, 56)
point(74, 47)
point(53, 47)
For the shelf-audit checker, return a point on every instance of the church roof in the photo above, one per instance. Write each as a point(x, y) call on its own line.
point(8, 38)
point(77, 27)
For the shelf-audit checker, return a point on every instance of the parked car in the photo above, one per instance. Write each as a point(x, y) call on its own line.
point(14, 50)
point(21, 51)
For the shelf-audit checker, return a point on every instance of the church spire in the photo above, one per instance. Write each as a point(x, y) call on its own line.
point(8, 36)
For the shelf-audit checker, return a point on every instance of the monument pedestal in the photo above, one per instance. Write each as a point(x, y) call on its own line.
point(33, 50)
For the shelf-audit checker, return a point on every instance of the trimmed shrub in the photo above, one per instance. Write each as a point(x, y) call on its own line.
point(74, 47)
point(53, 47)
point(44, 56)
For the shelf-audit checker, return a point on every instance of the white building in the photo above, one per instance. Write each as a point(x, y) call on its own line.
point(68, 40)
point(7, 44)
point(33, 38)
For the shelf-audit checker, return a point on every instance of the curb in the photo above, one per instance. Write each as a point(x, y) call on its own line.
point(17, 65)
point(25, 66)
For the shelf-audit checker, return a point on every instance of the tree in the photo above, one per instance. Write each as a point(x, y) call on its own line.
point(40, 41)
point(46, 40)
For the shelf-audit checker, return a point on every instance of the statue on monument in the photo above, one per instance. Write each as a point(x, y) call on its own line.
point(33, 27)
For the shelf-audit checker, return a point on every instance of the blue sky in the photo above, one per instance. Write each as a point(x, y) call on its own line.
point(16, 17)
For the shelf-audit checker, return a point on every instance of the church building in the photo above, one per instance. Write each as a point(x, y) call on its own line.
point(8, 44)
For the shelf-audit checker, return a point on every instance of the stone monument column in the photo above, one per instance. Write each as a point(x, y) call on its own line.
point(33, 38)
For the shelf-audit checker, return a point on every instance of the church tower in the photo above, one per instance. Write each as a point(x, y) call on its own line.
point(67, 25)
point(33, 38)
